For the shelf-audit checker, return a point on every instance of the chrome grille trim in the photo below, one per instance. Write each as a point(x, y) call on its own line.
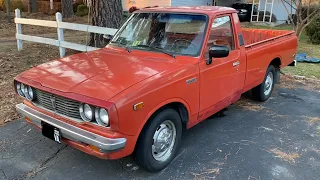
point(64, 106)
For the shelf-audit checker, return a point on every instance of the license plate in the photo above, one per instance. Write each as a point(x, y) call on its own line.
point(51, 132)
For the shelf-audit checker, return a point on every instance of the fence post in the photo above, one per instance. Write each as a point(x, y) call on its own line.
point(18, 30)
point(62, 50)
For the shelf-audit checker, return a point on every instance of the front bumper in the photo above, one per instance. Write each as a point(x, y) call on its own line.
point(73, 133)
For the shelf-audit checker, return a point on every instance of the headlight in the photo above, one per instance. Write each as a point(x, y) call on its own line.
point(244, 10)
point(86, 112)
point(28, 92)
point(19, 87)
point(102, 116)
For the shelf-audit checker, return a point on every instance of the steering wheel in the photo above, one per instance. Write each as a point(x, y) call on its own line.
point(185, 40)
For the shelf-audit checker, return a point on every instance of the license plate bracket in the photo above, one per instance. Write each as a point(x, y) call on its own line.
point(51, 132)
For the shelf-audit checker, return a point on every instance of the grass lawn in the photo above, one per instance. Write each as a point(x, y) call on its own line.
point(302, 69)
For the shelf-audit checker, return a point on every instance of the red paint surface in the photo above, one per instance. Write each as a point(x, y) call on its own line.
point(115, 79)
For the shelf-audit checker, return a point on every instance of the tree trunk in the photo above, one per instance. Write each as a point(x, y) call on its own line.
point(105, 13)
point(299, 29)
point(8, 10)
point(67, 9)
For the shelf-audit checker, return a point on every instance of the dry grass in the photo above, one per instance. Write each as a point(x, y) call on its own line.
point(207, 174)
point(249, 105)
point(288, 157)
point(291, 82)
point(312, 120)
point(316, 150)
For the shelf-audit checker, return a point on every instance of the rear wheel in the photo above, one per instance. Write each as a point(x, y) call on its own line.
point(159, 141)
point(264, 90)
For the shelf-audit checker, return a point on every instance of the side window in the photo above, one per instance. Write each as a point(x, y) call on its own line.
point(221, 33)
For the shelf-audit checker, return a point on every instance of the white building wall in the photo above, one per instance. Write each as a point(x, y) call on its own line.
point(280, 11)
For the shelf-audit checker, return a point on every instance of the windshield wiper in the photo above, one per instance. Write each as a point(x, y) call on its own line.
point(122, 45)
point(157, 48)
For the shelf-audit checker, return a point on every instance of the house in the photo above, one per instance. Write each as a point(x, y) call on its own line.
point(279, 8)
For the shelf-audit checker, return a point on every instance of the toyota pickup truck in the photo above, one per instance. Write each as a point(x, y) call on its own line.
point(166, 69)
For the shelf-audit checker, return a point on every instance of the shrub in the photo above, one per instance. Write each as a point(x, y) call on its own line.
point(75, 6)
point(313, 30)
point(14, 4)
point(82, 10)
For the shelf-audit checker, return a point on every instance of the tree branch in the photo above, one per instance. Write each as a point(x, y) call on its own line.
point(291, 19)
point(308, 10)
point(312, 15)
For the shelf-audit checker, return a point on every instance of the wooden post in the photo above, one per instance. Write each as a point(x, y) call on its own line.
point(62, 50)
point(8, 10)
point(18, 30)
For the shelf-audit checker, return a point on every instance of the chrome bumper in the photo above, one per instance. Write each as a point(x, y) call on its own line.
point(71, 132)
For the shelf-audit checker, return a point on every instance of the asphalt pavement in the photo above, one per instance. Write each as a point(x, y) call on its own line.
point(278, 139)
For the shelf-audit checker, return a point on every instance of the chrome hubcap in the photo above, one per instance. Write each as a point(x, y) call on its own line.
point(268, 84)
point(163, 141)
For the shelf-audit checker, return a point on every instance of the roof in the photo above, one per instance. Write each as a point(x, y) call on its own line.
point(190, 9)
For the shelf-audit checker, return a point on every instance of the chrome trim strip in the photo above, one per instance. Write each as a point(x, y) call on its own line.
point(71, 132)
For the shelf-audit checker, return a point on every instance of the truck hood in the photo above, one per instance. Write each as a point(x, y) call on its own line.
point(100, 74)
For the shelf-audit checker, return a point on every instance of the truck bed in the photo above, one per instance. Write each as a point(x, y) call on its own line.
point(263, 46)
point(257, 36)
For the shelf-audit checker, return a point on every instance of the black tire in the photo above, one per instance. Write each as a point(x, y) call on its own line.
point(259, 93)
point(143, 151)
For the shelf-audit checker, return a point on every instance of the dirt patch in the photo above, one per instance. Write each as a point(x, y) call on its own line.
point(249, 105)
point(288, 157)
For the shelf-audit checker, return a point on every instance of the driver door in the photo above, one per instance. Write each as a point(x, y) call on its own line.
point(220, 81)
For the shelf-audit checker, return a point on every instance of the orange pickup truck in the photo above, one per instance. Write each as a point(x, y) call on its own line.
point(166, 69)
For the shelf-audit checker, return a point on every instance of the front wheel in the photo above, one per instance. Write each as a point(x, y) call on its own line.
point(264, 90)
point(159, 141)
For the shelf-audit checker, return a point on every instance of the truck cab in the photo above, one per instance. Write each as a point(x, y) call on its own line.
point(166, 69)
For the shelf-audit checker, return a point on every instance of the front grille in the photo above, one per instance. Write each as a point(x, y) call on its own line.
point(63, 105)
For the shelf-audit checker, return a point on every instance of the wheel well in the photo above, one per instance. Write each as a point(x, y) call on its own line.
point(276, 62)
point(179, 107)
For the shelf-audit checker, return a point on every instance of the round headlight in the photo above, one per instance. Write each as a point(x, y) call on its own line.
point(24, 90)
point(102, 117)
point(29, 93)
point(86, 112)
point(19, 88)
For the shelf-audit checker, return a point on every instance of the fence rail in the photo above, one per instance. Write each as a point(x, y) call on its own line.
point(60, 42)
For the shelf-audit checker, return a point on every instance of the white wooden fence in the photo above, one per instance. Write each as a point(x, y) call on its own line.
point(61, 43)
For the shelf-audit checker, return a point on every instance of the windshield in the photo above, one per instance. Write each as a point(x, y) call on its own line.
point(176, 34)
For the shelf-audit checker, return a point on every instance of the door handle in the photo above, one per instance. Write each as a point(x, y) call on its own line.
point(236, 63)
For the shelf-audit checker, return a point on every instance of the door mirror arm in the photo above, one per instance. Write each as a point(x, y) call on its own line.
point(209, 60)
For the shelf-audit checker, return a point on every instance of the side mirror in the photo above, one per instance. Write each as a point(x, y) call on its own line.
point(217, 51)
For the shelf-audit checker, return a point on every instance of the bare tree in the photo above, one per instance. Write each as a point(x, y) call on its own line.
point(304, 15)
point(105, 13)
point(67, 9)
